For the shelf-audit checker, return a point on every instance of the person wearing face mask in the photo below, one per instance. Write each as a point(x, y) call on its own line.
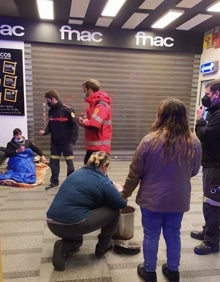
point(86, 201)
point(97, 120)
point(19, 144)
point(208, 131)
point(20, 166)
point(63, 128)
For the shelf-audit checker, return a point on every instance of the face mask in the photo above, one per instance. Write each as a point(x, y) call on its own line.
point(49, 104)
point(18, 140)
point(206, 101)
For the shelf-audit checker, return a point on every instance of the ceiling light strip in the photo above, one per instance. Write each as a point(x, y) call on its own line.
point(112, 8)
point(215, 7)
point(167, 18)
point(45, 9)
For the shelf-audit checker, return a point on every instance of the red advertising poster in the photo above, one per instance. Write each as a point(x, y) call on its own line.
point(11, 82)
point(216, 37)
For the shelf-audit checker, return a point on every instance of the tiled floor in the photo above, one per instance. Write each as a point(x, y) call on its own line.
point(27, 244)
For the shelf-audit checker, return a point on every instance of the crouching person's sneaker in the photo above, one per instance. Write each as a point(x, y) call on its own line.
point(100, 250)
point(172, 276)
point(59, 256)
point(146, 275)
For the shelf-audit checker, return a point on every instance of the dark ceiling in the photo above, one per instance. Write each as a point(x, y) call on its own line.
point(27, 9)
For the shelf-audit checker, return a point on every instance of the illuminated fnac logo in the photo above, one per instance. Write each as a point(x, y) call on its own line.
point(209, 67)
point(15, 30)
point(144, 39)
point(67, 33)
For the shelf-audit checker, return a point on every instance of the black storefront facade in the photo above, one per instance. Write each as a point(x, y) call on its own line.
point(137, 68)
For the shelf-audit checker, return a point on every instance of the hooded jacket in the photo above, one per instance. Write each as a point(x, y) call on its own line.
point(98, 126)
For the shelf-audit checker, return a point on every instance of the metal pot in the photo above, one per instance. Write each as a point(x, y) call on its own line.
point(125, 229)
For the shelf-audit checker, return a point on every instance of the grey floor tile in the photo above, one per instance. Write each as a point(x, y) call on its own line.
point(27, 243)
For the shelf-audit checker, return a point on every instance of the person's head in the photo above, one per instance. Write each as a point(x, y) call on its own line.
point(171, 115)
point(90, 86)
point(172, 121)
point(100, 160)
point(212, 94)
point(17, 135)
point(52, 97)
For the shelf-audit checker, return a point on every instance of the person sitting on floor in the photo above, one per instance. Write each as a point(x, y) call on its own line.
point(20, 166)
point(86, 201)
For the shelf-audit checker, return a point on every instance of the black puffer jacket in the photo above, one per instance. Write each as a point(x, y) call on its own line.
point(12, 146)
point(208, 132)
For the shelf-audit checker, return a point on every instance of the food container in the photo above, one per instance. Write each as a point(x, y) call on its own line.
point(125, 229)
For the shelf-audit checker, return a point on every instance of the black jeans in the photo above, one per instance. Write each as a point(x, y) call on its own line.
point(211, 213)
point(72, 234)
point(212, 223)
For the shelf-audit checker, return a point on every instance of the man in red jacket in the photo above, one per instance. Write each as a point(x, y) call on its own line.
point(97, 120)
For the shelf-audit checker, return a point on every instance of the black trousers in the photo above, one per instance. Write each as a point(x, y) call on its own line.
point(56, 151)
point(72, 235)
point(212, 223)
point(211, 213)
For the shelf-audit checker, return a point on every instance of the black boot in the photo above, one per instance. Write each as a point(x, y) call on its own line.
point(52, 185)
point(59, 257)
point(172, 276)
point(206, 248)
point(101, 249)
point(148, 276)
point(198, 235)
point(70, 167)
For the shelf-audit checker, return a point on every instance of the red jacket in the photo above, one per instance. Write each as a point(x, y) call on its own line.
point(98, 127)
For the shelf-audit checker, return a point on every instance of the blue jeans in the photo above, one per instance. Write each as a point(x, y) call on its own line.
point(170, 223)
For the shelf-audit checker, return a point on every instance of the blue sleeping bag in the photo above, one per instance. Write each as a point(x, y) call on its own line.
point(21, 168)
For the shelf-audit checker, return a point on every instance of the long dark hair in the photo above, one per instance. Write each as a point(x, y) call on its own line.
point(172, 122)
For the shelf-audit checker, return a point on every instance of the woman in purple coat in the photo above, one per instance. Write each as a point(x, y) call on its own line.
point(163, 164)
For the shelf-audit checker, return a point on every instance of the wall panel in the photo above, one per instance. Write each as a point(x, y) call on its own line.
point(136, 82)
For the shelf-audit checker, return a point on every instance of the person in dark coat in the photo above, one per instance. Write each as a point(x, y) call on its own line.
point(20, 166)
point(18, 144)
point(86, 201)
point(208, 131)
point(64, 132)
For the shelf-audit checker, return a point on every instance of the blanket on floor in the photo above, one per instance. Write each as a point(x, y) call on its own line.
point(22, 172)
